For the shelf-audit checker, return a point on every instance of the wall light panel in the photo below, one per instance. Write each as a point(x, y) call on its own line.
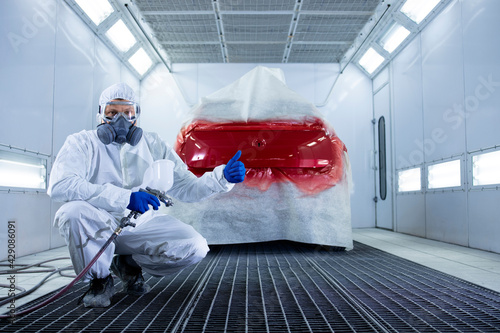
point(97, 11)
point(486, 169)
point(417, 10)
point(409, 180)
point(371, 60)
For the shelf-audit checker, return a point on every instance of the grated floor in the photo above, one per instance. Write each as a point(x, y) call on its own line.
point(284, 287)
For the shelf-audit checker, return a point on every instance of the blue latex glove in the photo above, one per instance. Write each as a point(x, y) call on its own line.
point(234, 171)
point(139, 202)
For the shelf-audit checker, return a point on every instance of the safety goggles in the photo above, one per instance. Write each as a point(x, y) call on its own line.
point(129, 110)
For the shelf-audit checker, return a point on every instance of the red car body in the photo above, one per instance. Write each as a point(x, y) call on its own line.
point(305, 152)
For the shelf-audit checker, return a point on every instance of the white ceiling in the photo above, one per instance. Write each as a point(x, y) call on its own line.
point(258, 31)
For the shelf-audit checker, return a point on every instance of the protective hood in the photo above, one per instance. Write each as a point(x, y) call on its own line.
point(118, 90)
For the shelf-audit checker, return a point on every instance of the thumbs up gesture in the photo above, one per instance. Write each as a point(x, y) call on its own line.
point(234, 171)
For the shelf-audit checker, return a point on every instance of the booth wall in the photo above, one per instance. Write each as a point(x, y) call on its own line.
point(446, 97)
point(53, 70)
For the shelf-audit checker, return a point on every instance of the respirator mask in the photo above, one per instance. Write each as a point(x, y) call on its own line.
point(119, 123)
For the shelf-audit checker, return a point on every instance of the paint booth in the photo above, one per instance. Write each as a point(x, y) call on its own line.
point(411, 90)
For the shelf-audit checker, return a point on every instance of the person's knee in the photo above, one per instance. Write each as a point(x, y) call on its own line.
point(67, 218)
point(199, 248)
point(79, 217)
point(195, 242)
point(68, 212)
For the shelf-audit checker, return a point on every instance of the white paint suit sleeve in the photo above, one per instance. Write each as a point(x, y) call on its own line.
point(189, 188)
point(69, 179)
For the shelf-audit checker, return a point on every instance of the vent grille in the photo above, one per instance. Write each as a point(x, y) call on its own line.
point(284, 286)
point(267, 29)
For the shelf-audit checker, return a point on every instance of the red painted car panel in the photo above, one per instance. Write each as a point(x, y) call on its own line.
point(306, 152)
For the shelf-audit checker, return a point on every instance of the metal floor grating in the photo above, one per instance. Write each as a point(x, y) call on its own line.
point(280, 287)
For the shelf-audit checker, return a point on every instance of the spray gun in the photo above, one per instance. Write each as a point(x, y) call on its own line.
point(160, 175)
point(126, 220)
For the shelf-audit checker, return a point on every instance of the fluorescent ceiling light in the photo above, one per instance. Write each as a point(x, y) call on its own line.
point(409, 180)
point(394, 37)
point(121, 36)
point(96, 10)
point(445, 174)
point(417, 10)
point(20, 174)
point(141, 61)
point(371, 60)
point(485, 169)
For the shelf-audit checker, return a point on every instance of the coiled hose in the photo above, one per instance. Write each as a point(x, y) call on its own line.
point(72, 283)
point(125, 221)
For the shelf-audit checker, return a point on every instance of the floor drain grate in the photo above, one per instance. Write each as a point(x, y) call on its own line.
point(280, 287)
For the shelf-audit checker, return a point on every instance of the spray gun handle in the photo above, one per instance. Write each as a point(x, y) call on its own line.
point(126, 220)
point(160, 195)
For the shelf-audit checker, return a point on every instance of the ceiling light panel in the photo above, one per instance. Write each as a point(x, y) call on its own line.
point(371, 60)
point(417, 10)
point(121, 36)
point(140, 61)
point(394, 36)
point(97, 11)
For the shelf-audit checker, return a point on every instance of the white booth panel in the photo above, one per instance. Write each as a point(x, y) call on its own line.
point(410, 214)
point(27, 67)
point(482, 73)
point(381, 79)
point(199, 80)
point(32, 215)
point(443, 84)
point(484, 220)
point(163, 107)
point(74, 76)
point(129, 78)
point(56, 240)
point(300, 78)
point(325, 77)
point(446, 217)
point(107, 71)
point(407, 101)
point(312, 81)
point(349, 111)
point(186, 78)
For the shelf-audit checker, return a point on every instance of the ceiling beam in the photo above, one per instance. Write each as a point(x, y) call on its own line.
point(291, 31)
point(220, 30)
point(166, 42)
point(263, 12)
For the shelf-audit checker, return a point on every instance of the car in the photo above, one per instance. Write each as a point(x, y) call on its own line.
point(297, 183)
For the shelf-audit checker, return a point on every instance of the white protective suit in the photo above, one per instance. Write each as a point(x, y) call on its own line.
point(96, 181)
